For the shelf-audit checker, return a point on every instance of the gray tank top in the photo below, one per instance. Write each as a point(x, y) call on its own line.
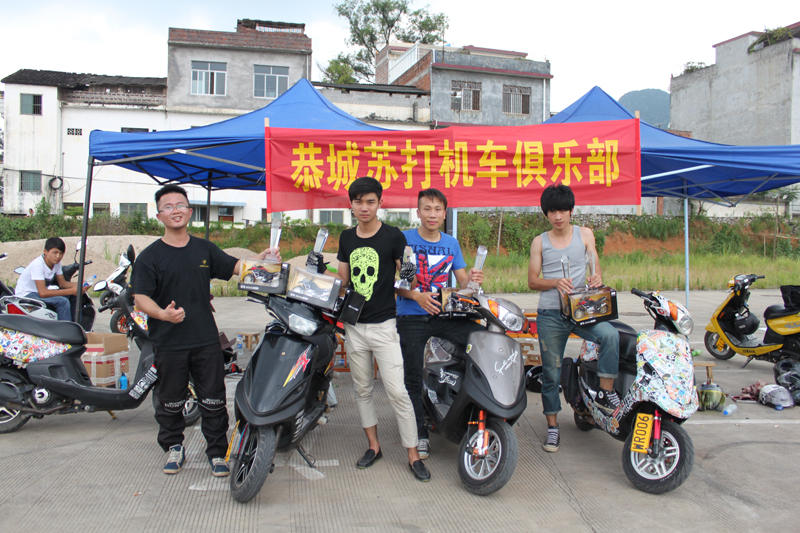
point(551, 266)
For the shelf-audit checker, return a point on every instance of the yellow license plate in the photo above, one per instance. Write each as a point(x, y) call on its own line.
point(642, 431)
point(234, 438)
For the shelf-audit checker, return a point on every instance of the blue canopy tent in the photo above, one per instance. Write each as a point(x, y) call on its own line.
point(223, 155)
point(691, 169)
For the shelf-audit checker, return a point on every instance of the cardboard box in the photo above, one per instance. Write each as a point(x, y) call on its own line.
point(106, 358)
point(263, 276)
point(590, 306)
point(316, 289)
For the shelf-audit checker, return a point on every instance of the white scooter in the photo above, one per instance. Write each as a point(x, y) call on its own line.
point(20, 305)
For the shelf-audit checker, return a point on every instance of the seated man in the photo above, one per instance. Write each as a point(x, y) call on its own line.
point(43, 279)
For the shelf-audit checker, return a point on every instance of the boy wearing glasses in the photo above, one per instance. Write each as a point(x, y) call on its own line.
point(171, 283)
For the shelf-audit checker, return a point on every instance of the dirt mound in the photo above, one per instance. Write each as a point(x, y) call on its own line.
point(625, 243)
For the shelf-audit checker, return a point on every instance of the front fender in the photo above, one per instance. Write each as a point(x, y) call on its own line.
point(712, 327)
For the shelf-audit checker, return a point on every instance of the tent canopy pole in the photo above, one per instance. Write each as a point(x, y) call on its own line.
point(208, 205)
point(84, 231)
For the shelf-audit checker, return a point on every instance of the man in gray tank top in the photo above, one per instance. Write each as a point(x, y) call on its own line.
point(545, 274)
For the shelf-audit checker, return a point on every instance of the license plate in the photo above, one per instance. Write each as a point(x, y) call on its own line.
point(235, 438)
point(642, 431)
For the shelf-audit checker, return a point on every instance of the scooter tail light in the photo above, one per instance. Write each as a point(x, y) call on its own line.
point(12, 309)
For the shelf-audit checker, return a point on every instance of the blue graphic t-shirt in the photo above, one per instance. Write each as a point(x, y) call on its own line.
point(435, 261)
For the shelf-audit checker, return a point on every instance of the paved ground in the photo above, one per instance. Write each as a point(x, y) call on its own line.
point(87, 472)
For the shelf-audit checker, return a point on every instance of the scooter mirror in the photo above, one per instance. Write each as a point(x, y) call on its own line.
point(3, 256)
point(131, 253)
point(100, 286)
point(19, 270)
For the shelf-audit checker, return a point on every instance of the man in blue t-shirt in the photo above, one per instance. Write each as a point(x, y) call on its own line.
point(436, 254)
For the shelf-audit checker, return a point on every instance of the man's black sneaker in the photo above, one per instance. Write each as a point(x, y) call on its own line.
point(553, 439)
point(607, 401)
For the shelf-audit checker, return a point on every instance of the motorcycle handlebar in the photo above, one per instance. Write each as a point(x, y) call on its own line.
point(639, 293)
point(103, 308)
point(760, 277)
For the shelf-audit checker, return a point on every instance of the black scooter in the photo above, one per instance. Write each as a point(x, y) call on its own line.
point(41, 372)
point(473, 397)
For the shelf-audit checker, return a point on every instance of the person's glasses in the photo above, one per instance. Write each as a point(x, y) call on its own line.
point(171, 208)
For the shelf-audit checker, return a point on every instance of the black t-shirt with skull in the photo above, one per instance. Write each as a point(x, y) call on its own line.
point(372, 269)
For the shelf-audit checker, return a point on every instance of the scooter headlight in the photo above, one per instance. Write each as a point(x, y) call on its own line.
point(509, 314)
point(302, 326)
point(681, 317)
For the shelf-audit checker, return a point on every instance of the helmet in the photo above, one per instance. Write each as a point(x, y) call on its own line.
point(790, 380)
point(711, 396)
point(533, 378)
point(785, 365)
point(747, 324)
point(776, 396)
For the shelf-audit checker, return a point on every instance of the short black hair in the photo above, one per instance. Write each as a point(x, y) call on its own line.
point(557, 198)
point(432, 194)
point(363, 186)
point(55, 242)
point(169, 188)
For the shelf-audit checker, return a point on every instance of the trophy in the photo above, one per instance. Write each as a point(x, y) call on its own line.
point(480, 259)
point(590, 266)
point(322, 237)
point(565, 267)
point(274, 237)
point(402, 283)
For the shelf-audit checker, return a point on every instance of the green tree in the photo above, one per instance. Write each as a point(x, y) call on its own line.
point(339, 70)
point(373, 23)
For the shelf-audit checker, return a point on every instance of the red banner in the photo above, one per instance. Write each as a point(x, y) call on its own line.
point(474, 167)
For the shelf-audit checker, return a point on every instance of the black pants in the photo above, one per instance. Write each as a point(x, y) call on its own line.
point(415, 330)
point(207, 368)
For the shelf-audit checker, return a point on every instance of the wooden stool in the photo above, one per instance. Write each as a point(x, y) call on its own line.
point(708, 366)
point(250, 340)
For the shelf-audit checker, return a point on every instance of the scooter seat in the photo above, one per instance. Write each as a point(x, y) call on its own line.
point(627, 341)
point(779, 311)
point(61, 331)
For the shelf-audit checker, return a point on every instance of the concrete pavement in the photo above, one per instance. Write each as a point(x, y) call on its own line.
point(87, 472)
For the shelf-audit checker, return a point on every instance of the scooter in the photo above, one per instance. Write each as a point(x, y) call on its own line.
point(656, 382)
point(284, 390)
point(41, 372)
point(20, 305)
point(118, 279)
point(732, 327)
point(474, 397)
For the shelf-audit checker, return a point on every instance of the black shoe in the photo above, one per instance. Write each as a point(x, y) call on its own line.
point(553, 439)
point(420, 471)
point(369, 458)
point(607, 401)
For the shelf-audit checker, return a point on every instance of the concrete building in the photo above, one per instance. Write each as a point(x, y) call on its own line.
point(212, 76)
point(750, 96)
point(470, 85)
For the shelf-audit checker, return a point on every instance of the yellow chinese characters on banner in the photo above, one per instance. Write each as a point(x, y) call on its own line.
point(475, 167)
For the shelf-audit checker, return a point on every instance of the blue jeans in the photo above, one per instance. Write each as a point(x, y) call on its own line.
point(61, 303)
point(554, 330)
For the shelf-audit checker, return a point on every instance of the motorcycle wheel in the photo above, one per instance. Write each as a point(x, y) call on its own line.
point(119, 322)
point(106, 297)
point(191, 409)
point(580, 312)
point(483, 476)
point(12, 419)
point(710, 340)
point(582, 423)
point(249, 278)
point(603, 309)
point(250, 470)
point(667, 471)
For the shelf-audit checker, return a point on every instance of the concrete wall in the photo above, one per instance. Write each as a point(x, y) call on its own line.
point(394, 111)
point(240, 77)
point(492, 82)
point(744, 99)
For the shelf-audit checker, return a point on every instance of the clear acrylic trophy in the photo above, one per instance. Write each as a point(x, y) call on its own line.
point(274, 237)
point(322, 238)
point(408, 253)
point(565, 267)
point(590, 266)
point(480, 259)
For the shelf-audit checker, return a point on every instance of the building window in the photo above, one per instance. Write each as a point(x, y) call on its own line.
point(75, 131)
point(225, 211)
point(101, 209)
point(208, 77)
point(30, 181)
point(198, 213)
point(270, 82)
point(470, 93)
point(516, 100)
point(129, 210)
point(31, 104)
point(328, 216)
point(398, 215)
point(134, 130)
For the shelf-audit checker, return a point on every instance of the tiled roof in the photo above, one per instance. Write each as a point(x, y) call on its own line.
point(71, 80)
point(244, 38)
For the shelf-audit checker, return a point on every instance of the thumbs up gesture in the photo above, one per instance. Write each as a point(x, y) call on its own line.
point(173, 314)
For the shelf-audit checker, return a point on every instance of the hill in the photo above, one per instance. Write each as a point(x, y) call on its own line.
point(652, 104)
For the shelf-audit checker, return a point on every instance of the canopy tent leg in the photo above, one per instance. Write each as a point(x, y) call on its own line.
point(686, 244)
point(208, 205)
point(84, 231)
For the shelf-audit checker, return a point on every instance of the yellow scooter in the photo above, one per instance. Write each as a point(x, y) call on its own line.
point(732, 326)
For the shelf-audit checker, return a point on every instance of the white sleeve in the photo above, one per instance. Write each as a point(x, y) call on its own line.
point(37, 269)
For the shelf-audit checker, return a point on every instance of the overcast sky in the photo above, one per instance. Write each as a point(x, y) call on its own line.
point(620, 46)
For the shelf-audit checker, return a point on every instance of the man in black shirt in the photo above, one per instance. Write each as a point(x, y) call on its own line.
point(171, 283)
point(369, 257)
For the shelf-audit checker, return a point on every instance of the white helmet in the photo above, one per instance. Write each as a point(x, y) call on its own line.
point(775, 395)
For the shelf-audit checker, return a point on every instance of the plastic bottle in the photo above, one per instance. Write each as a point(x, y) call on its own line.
point(239, 345)
point(123, 382)
point(730, 409)
point(89, 281)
